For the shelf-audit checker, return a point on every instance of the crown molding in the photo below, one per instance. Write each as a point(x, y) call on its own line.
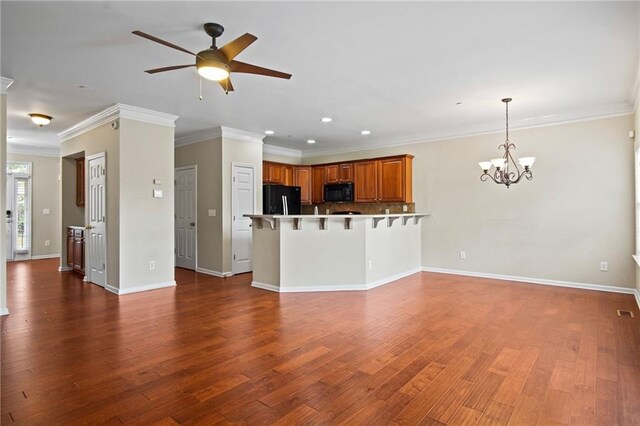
point(4, 85)
point(217, 133)
point(589, 114)
point(242, 135)
point(33, 150)
point(284, 152)
point(115, 112)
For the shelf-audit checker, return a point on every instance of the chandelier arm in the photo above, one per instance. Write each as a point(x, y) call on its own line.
point(485, 176)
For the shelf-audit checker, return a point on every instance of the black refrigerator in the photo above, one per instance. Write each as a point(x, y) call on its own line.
point(280, 199)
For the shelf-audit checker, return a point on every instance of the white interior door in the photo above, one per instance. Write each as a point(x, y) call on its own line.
point(96, 239)
point(185, 223)
point(242, 202)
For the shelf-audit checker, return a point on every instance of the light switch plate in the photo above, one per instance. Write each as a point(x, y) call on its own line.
point(46, 211)
point(212, 212)
point(157, 182)
point(157, 193)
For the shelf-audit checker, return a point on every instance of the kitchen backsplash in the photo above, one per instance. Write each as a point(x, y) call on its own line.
point(364, 208)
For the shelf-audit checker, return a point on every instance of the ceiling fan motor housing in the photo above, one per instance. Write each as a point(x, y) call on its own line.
point(211, 58)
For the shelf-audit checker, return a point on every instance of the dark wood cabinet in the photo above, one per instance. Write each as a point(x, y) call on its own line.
point(339, 173)
point(273, 172)
point(366, 182)
point(80, 182)
point(75, 249)
point(318, 179)
point(302, 178)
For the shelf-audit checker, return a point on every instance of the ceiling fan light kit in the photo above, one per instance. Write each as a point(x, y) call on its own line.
point(216, 64)
point(40, 119)
point(502, 174)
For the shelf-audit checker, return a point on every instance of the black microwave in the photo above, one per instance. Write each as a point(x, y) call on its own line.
point(336, 192)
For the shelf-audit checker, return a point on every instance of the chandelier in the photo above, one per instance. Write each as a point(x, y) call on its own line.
point(506, 170)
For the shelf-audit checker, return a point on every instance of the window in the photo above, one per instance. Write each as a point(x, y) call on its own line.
point(22, 231)
point(18, 167)
point(18, 209)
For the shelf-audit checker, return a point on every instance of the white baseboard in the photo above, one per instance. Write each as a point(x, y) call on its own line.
point(4, 311)
point(140, 288)
point(214, 273)
point(543, 281)
point(637, 294)
point(45, 256)
point(64, 268)
point(339, 287)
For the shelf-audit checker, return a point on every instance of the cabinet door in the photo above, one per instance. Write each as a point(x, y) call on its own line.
point(70, 247)
point(273, 172)
point(78, 254)
point(392, 180)
point(333, 173)
point(302, 178)
point(288, 175)
point(318, 179)
point(80, 182)
point(346, 172)
point(366, 181)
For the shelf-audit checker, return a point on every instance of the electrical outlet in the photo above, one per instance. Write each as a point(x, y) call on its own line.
point(46, 211)
point(405, 208)
point(604, 266)
point(370, 264)
point(152, 265)
point(47, 243)
point(463, 255)
point(212, 212)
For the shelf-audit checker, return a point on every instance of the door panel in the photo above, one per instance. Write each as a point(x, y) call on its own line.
point(185, 222)
point(243, 202)
point(97, 212)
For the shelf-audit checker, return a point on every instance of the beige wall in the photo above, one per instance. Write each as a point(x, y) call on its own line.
point(577, 211)
point(146, 223)
point(45, 186)
point(101, 139)
point(207, 156)
point(3, 201)
point(281, 158)
point(242, 153)
point(636, 117)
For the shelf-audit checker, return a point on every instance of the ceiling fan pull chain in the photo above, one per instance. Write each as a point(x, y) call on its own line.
point(201, 88)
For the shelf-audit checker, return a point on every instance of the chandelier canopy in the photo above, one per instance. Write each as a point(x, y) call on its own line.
point(506, 170)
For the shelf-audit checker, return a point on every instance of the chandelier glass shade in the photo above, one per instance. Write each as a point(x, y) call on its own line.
point(505, 170)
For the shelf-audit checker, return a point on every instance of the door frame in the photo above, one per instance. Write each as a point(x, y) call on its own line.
point(233, 192)
point(87, 255)
point(195, 251)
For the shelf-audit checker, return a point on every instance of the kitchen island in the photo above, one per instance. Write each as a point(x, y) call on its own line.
point(299, 253)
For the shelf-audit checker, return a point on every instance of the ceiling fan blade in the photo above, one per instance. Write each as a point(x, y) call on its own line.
point(171, 68)
point(241, 67)
point(233, 48)
point(165, 43)
point(226, 85)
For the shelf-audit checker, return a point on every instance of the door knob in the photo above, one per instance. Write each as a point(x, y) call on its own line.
point(88, 227)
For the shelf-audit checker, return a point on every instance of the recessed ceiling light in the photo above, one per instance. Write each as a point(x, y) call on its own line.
point(311, 141)
point(326, 119)
point(269, 132)
point(40, 119)
point(365, 132)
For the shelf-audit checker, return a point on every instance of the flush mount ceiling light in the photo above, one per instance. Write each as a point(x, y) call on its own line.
point(365, 132)
point(311, 141)
point(502, 174)
point(40, 119)
point(269, 132)
point(326, 119)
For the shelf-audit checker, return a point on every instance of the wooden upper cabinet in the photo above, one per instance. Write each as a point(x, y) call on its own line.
point(302, 178)
point(80, 182)
point(339, 173)
point(346, 172)
point(333, 173)
point(366, 181)
point(288, 175)
point(318, 179)
point(273, 172)
point(392, 180)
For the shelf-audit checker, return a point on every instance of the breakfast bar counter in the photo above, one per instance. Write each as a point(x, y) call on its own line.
point(298, 253)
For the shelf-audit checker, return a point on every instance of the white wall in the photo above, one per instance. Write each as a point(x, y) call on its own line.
point(45, 186)
point(146, 223)
point(577, 211)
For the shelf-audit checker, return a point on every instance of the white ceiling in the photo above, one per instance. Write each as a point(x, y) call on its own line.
point(397, 69)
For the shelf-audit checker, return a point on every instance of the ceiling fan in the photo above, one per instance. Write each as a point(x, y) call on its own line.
point(217, 64)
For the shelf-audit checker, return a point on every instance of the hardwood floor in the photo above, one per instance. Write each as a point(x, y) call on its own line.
point(428, 349)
